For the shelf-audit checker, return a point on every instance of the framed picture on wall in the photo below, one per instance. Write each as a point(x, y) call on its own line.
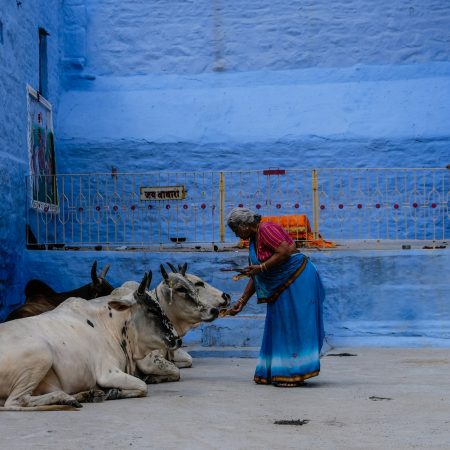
point(41, 150)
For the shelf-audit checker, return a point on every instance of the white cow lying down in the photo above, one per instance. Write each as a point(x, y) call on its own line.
point(187, 300)
point(63, 357)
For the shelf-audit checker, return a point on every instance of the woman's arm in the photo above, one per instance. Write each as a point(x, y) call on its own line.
point(248, 292)
point(280, 255)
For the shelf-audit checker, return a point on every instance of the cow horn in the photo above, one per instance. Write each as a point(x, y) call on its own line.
point(143, 285)
point(104, 271)
point(149, 278)
point(183, 269)
point(94, 277)
point(163, 272)
point(174, 270)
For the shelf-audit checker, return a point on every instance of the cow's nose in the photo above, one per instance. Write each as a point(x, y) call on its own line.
point(227, 299)
point(175, 343)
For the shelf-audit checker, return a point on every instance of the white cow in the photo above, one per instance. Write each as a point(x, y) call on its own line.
point(207, 295)
point(60, 358)
point(187, 301)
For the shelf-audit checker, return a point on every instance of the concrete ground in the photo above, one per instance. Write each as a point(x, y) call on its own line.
point(377, 399)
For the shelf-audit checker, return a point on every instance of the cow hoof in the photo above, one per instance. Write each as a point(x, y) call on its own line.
point(97, 396)
point(148, 379)
point(156, 379)
point(92, 396)
point(72, 402)
point(113, 394)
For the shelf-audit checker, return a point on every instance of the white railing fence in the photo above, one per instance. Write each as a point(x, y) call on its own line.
point(189, 208)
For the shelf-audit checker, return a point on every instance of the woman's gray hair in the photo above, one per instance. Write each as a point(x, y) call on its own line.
point(242, 216)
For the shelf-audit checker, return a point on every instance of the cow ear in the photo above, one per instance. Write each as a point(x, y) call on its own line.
point(183, 269)
point(163, 272)
point(104, 271)
point(120, 305)
point(94, 277)
point(174, 270)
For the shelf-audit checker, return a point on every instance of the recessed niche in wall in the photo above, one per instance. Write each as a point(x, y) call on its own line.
point(43, 77)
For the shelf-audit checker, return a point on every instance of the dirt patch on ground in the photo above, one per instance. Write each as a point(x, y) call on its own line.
point(296, 422)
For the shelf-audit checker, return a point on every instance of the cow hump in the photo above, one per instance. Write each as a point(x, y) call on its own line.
point(36, 287)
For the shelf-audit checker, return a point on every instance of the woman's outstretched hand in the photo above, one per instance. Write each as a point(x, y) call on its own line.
point(236, 308)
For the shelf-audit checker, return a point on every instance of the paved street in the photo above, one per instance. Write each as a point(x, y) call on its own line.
point(378, 399)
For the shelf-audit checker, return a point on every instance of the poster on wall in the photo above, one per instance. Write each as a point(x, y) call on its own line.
point(41, 150)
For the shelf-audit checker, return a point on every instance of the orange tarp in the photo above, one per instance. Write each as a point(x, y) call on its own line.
point(299, 228)
point(293, 224)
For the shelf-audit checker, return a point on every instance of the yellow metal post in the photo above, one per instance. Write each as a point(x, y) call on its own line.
point(222, 206)
point(315, 203)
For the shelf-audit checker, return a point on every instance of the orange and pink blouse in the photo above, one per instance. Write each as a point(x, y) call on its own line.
point(270, 236)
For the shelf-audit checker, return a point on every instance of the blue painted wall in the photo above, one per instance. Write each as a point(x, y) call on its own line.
point(365, 117)
point(198, 36)
point(383, 297)
point(347, 83)
point(19, 66)
point(194, 84)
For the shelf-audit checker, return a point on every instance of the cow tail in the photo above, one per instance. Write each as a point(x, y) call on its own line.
point(39, 408)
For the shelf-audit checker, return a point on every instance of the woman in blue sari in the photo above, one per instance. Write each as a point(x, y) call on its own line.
point(290, 285)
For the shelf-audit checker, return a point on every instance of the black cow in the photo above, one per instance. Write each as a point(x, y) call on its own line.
point(40, 297)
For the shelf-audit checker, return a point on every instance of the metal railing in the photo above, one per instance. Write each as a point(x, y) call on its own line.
point(190, 208)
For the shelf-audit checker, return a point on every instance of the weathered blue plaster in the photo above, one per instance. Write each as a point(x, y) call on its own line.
point(189, 37)
point(284, 107)
point(372, 296)
point(236, 85)
point(357, 83)
point(19, 66)
point(387, 116)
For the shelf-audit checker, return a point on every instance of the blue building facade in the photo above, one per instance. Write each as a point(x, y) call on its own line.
point(20, 27)
point(196, 84)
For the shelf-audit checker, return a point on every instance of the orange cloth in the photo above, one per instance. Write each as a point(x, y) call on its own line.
point(299, 228)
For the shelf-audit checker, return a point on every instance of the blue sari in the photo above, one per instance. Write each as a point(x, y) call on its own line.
point(293, 332)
